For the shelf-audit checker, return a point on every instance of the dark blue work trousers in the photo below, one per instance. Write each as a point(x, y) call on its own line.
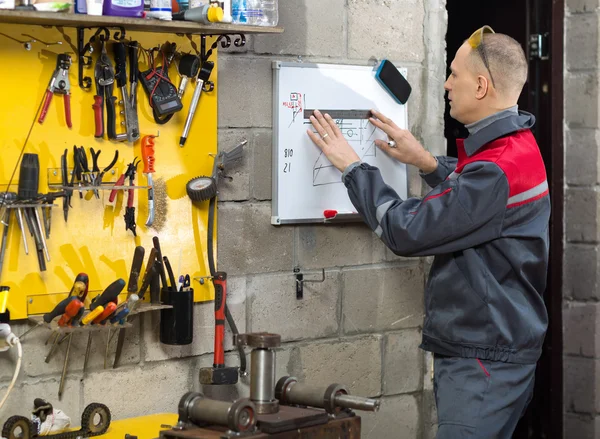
point(479, 398)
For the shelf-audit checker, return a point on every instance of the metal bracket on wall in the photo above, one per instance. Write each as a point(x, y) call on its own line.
point(84, 50)
point(225, 40)
point(300, 281)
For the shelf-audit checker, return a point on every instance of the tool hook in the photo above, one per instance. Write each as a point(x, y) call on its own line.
point(300, 281)
point(43, 42)
point(26, 44)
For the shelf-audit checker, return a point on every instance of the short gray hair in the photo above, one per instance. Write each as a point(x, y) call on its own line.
point(507, 62)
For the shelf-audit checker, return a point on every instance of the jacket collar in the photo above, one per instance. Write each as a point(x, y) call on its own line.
point(497, 129)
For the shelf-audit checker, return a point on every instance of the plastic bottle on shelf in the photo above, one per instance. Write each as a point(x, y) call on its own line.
point(123, 8)
point(269, 13)
point(160, 9)
point(255, 12)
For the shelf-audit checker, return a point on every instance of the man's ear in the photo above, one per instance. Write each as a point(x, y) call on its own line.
point(482, 87)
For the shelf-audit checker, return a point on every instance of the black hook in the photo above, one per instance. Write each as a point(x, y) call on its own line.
point(227, 42)
point(240, 41)
point(120, 34)
point(104, 37)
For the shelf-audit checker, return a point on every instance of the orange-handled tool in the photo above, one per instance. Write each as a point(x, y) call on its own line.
point(71, 311)
point(148, 159)
point(108, 310)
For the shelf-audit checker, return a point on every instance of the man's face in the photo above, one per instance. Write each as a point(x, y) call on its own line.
point(461, 86)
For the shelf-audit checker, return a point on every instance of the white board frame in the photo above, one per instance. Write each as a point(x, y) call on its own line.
point(400, 184)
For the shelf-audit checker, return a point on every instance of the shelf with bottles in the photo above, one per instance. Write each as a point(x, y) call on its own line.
point(66, 19)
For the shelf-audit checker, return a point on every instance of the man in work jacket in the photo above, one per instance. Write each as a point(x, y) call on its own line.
point(486, 221)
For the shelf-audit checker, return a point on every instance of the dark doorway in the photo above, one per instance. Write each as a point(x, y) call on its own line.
point(531, 22)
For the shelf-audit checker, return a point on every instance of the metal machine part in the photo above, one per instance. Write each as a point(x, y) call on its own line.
point(196, 410)
point(262, 369)
point(333, 399)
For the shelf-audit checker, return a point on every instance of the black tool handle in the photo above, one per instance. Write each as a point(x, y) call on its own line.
point(171, 275)
point(206, 70)
point(59, 309)
point(136, 268)
point(120, 64)
point(133, 61)
point(109, 294)
point(29, 177)
point(161, 268)
point(111, 117)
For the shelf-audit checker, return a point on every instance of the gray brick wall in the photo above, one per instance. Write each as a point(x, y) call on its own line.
point(361, 326)
point(581, 319)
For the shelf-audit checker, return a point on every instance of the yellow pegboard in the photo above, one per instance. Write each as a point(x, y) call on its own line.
point(94, 239)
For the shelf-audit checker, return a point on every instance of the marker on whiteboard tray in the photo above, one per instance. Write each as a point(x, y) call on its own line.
point(328, 214)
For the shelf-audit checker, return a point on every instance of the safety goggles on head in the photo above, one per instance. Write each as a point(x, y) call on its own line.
point(476, 43)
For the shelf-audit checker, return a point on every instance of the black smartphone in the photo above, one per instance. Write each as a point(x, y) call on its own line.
point(393, 81)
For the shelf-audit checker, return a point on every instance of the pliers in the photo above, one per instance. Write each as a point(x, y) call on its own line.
point(59, 84)
point(129, 210)
point(104, 75)
point(96, 175)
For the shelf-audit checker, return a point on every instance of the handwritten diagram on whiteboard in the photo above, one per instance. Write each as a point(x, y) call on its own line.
point(305, 184)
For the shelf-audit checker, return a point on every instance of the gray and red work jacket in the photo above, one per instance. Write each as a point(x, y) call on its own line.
point(486, 222)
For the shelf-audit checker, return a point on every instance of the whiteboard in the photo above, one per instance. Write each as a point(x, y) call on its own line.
point(305, 184)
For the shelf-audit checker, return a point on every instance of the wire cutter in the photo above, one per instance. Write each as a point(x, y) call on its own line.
point(104, 74)
point(59, 84)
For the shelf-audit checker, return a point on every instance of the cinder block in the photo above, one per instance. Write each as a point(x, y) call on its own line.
point(398, 417)
point(204, 326)
point(581, 271)
point(582, 214)
point(377, 299)
point(353, 362)
point(312, 28)
point(582, 329)
point(249, 244)
point(35, 351)
point(580, 426)
point(240, 170)
point(403, 362)
point(403, 24)
point(581, 107)
point(582, 41)
point(20, 401)
point(582, 385)
point(262, 147)
point(274, 307)
point(136, 391)
point(582, 5)
point(241, 105)
point(582, 166)
point(322, 246)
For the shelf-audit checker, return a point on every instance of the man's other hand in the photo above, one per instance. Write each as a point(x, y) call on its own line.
point(407, 149)
point(331, 141)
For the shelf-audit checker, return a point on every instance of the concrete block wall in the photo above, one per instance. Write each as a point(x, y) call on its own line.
point(361, 326)
point(581, 311)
